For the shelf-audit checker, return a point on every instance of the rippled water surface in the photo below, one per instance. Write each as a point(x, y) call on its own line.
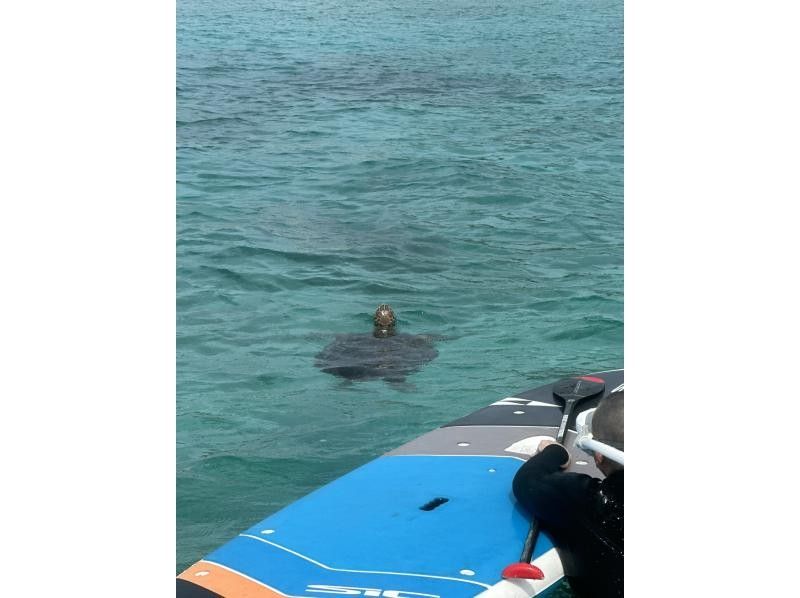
point(459, 160)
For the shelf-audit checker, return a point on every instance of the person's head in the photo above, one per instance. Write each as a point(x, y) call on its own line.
point(384, 320)
point(608, 427)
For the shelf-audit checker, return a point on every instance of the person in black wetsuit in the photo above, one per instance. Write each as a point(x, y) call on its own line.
point(583, 515)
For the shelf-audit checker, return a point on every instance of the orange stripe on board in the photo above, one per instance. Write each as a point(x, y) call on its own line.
point(226, 582)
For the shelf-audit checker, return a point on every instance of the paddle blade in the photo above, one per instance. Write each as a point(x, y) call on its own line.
point(572, 391)
point(578, 387)
point(522, 571)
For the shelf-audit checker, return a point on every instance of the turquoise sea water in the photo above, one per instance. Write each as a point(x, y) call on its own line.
point(461, 160)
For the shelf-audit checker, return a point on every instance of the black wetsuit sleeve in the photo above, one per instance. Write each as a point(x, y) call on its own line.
point(547, 461)
point(548, 492)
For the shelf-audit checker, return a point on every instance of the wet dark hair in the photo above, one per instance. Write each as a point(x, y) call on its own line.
point(608, 421)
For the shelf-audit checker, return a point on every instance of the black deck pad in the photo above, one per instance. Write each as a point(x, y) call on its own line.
point(517, 410)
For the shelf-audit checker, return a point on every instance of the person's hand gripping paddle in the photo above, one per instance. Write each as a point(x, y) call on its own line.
point(571, 391)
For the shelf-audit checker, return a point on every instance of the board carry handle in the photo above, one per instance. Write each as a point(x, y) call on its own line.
point(571, 391)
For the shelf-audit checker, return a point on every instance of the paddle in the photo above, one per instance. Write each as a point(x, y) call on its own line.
point(571, 391)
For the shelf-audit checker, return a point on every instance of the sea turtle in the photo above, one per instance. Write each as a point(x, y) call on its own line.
point(383, 353)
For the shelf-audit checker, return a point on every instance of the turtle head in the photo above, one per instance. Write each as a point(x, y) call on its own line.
point(384, 320)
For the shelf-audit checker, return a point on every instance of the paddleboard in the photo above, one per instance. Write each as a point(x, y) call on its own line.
point(434, 518)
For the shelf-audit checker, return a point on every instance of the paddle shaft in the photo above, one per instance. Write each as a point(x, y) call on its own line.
point(530, 541)
point(533, 532)
point(571, 391)
point(569, 405)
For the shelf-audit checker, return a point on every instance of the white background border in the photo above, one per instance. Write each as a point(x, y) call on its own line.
point(87, 231)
